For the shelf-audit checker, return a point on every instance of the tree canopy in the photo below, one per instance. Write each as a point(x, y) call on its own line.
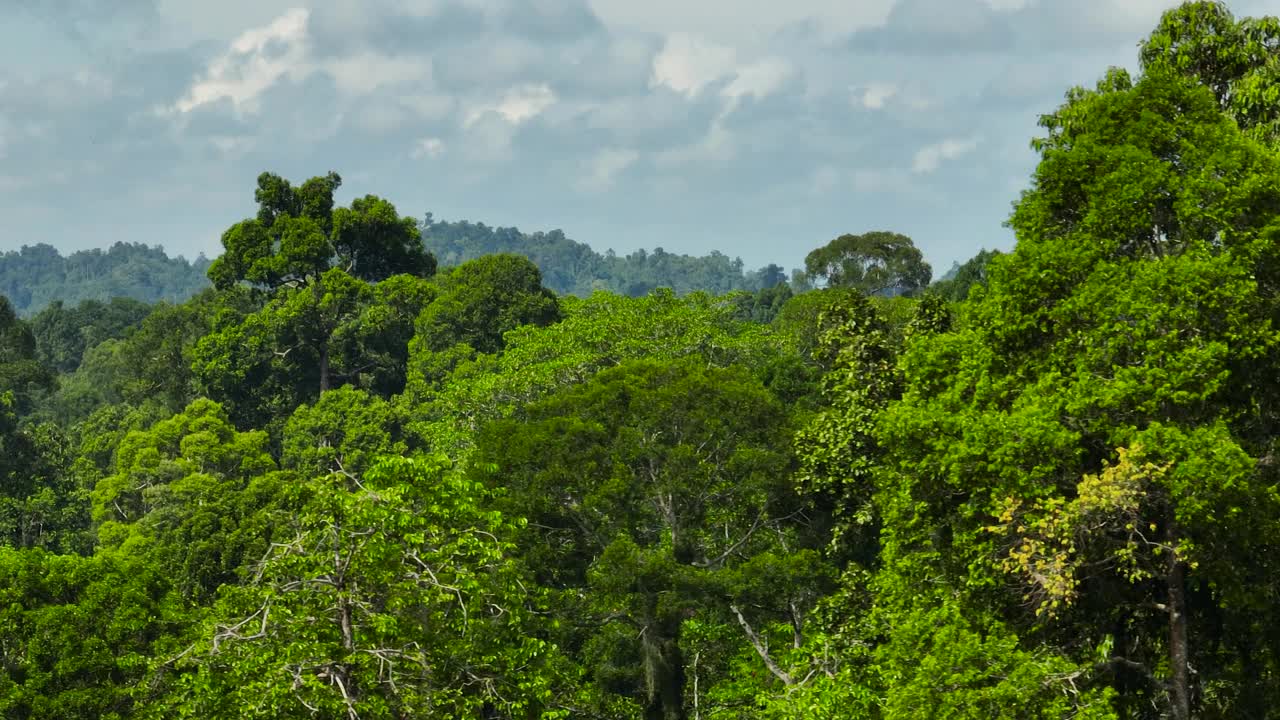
point(339, 485)
point(876, 262)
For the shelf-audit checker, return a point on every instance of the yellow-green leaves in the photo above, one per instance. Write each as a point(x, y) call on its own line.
point(1047, 538)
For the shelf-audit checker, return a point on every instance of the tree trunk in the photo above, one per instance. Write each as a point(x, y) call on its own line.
point(324, 367)
point(1179, 651)
point(665, 669)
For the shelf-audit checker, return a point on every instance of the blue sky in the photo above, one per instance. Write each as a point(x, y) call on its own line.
point(760, 129)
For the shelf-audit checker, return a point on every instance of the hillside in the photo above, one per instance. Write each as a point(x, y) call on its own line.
point(36, 275)
point(570, 267)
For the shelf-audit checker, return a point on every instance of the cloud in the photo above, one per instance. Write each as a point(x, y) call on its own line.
point(516, 105)
point(875, 95)
point(603, 168)
point(758, 79)
point(937, 27)
point(930, 157)
point(797, 120)
point(688, 63)
point(257, 59)
point(427, 148)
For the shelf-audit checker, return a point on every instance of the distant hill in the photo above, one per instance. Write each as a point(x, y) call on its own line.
point(36, 275)
point(573, 268)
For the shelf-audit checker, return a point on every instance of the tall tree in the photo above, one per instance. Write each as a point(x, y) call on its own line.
point(1134, 313)
point(1238, 60)
point(646, 489)
point(298, 235)
point(393, 595)
point(875, 262)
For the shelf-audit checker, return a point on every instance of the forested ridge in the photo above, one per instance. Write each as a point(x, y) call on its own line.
point(351, 479)
point(36, 276)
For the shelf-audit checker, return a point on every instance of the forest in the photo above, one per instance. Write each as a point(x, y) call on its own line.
point(353, 478)
point(37, 276)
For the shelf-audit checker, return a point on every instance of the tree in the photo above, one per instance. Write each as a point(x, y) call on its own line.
point(21, 373)
point(648, 490)
point(973, 273)
point(876, 263)
point(78, 631)
point(1135, 312)
point(62, 334)
point(330, 331)
point(298, 236)
point(482, 299)
point(346, 430)
point(189, 493)
point(1238, 60)
point(449, 395)
point(392, 595)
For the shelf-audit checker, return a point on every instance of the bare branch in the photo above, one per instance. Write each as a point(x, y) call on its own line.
point(761, 649)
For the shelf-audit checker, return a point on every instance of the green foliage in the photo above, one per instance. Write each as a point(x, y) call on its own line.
point(63, 334)
point(837, 450)
point(345, 431)
point(151, 365)
point(392, 595)
point(481, 300)
point(653, 491)
point(298, 236)
point(1135, 311)
point(78, 633)
point(955, 286)
point(38, 275)
point(333, 330)
point(1237, 60)
point(188, 494)
point(597, 333)
point(573, 268)
point(875, 263)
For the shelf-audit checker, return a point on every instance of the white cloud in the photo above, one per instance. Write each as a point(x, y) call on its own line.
point(430, 147)
point(604, 167)
point(733, 19)
point(759, 79)
point(260, 57)
point(713, 149)
point(875, 95)
point(517, 105)
point(930, 157)
point(257, 59)
point(688, 63)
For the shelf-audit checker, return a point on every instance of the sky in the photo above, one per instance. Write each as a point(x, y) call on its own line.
point(759, 128)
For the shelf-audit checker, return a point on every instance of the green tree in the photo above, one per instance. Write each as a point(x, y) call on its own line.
point(972, 273)
point(450, 394)
point(393, 595)
point(876, 262)
point(1238, 60)
point(649, 491)
point(1135, 312)
point(63, 334)
point(21, 373)
point(299, 235)
point(484, 298)
point(78, 632)
point(332, 330)
point(188, 494)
